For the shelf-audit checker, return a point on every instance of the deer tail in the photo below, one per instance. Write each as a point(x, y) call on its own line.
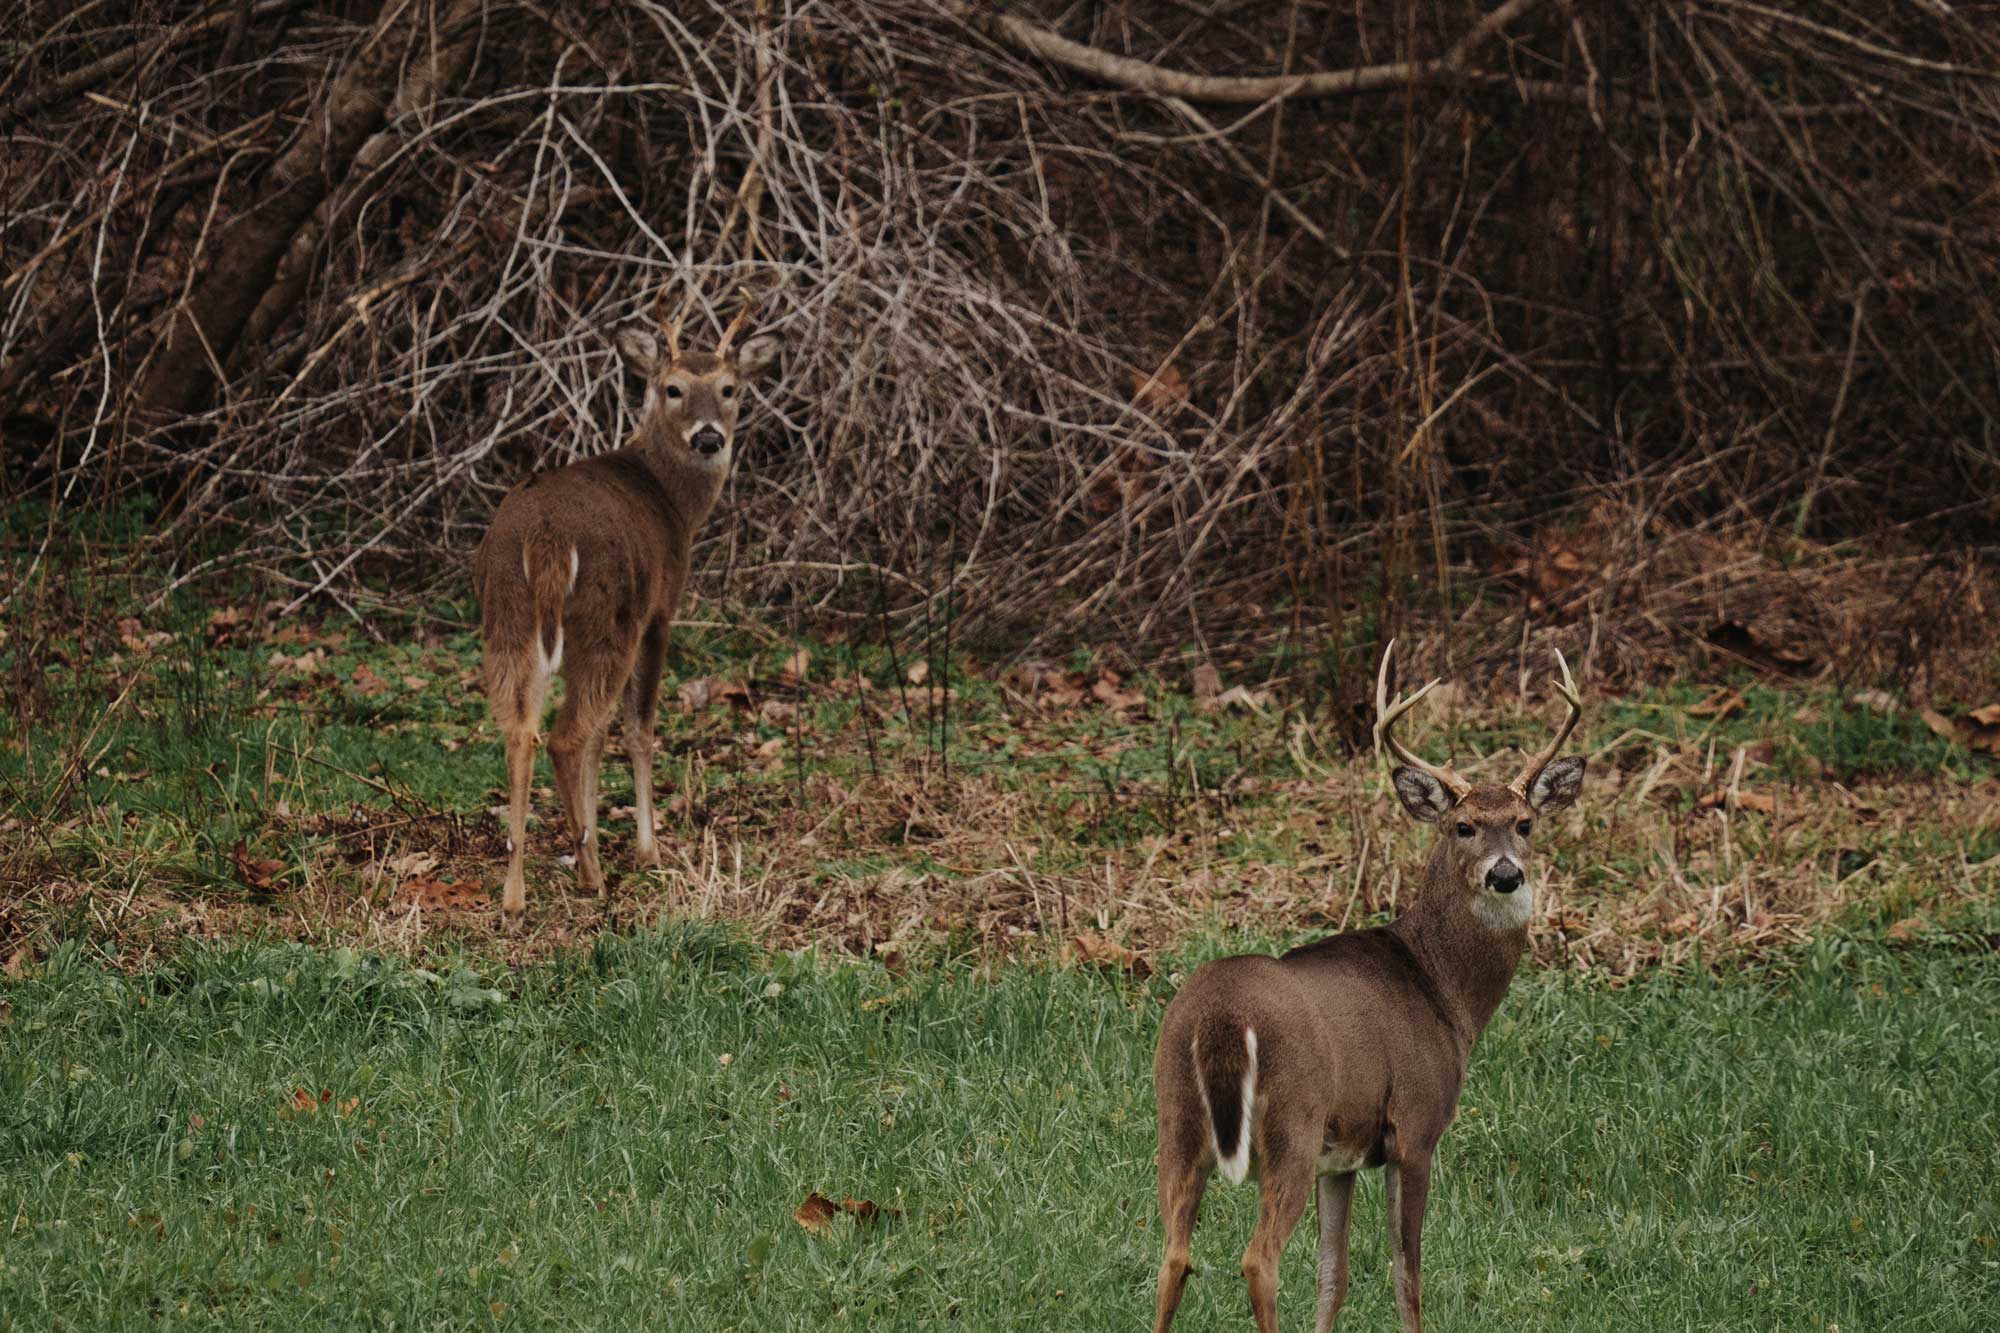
point(549, 563)
point(1225, 1067)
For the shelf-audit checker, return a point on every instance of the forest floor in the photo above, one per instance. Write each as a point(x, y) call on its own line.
point(217, 769)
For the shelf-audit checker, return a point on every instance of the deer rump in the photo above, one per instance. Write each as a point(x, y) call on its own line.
point(1254, 1037)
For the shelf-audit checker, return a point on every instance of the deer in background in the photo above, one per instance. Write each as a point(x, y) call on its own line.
point(581, 572)
point(1349, 1052)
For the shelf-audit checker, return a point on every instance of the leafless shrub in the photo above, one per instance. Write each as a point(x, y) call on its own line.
point(1068, 364)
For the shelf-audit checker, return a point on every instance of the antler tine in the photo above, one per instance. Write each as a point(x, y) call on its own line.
point(736, 325)
point(670, 325)
point(1386, 717)
point(1566, 687)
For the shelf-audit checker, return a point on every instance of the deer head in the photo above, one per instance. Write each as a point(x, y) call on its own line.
point(692, 398)
point(1483, 829)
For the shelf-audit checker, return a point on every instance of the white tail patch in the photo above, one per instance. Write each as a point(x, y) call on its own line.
point(1235, 1165)
point(547, 663)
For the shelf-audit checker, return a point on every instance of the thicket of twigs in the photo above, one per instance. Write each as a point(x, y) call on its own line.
point(1098, 329)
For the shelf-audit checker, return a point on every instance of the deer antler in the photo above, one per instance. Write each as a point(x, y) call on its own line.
point(1531, 770)
point(670, 325)
point(736, 325)
point(1386, 716)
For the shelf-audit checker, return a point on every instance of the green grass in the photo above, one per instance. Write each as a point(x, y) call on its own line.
point(1810, 1145)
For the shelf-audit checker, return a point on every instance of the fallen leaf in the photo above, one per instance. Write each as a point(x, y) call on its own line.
point(1939, 724)
point(1760, 647)
point(695, 695)
point(1986, 716)
point(135, 636)
point(793, 672)
point(1244, 700)
point(816, 1213)
point(256, 872)
point(866, 1210)
point(1745, 800)
point(412, 864)
point(416, 683)
point(1907, 929)
point(1098, 950)
point(307, 663)
point(1721, 703)
point(1108, 690)
point(1205, 685)
point(1875, 701)
point(919, 672)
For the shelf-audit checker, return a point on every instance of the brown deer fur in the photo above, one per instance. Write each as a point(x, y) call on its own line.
point(581, 572)
point(1349, 1053)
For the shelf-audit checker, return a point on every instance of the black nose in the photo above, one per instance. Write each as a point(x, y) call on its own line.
point(707, 440)
point(1504, 878)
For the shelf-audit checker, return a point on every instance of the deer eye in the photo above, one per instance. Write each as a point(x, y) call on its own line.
point(1525, 827)
point(729, 391)
point(1464, 830)
point(673, 391)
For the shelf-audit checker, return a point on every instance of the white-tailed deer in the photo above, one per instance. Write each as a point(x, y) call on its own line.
point(581, 572)
point(1349, 1052)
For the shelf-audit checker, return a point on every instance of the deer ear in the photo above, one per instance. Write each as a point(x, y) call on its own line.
point(1556, 786)
point(1422, 795)
point(758, 353)
point(639, 347)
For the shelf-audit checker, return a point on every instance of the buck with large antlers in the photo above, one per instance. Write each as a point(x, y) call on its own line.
point(1349, 1052)
point(581, 573)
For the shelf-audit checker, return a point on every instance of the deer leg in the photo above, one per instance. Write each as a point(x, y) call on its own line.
point(642, 694)
point(1286, 1182)
point(575, 745)
point(1407, 1187)
point(1336, 1203)
point(589, 866)
point(516, 695)
point(520, 742)
point(1185, 1167)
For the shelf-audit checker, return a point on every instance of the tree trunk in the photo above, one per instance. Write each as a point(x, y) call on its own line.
point(201, 333)
point(442, 67)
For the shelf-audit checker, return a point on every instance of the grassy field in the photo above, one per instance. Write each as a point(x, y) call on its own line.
point(277, 1136)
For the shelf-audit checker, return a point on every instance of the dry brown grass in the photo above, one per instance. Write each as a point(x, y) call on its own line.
point(1682, 843)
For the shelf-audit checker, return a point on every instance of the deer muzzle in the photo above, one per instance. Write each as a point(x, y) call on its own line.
point(1504, 877)
point(707, 440)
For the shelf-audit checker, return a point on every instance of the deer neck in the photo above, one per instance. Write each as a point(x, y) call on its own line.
point(1469, 962)
point(692, 484)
